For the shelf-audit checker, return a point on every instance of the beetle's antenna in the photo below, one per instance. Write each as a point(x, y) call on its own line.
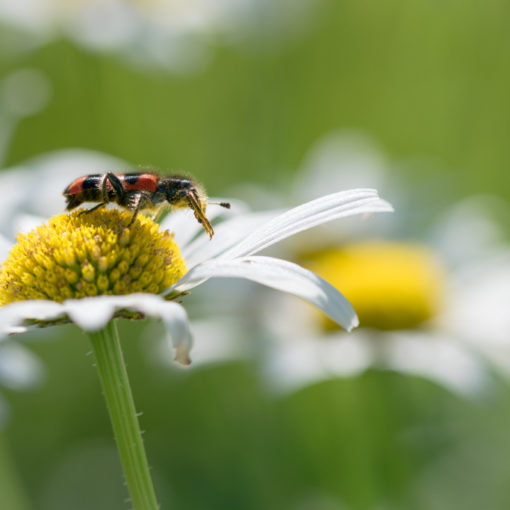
point(226, 205)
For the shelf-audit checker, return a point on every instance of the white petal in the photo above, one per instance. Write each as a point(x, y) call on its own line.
point(177, 324)
point(436, 357)
point(227, 234)
point(5, 247)
point(92, 314)
point(311, 214)
point(38, 184)
point(53, 171)
point(341, 160)
point(13, 315)
point(294, 363)
point(219, 340)
point(471, 229)
point(185, 227)
point(17, 179)
point(297, 362)
point(281, 275)
point(476, 308)
point(19, 368)
point(24, 223)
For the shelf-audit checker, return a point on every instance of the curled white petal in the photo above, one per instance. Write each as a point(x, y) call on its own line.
point(176, 321)
point(92, 314)
point(13, 315)
point(281, 275)
point(308, 215)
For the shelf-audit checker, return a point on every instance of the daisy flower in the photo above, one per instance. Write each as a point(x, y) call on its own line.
point(430, 305)
point(90, 269)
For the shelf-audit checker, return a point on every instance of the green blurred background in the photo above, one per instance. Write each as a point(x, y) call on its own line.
point(429, 81)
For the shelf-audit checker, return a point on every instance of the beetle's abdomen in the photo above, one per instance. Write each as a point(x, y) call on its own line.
point(84, 189)
point(82, 184)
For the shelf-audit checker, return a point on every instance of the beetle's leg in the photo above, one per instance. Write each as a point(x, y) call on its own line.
point(159, 212)
point(116, 184)
point(136, 201)
point(117, 187)
point(104, 188)
point(95, 208)
point(195, 204)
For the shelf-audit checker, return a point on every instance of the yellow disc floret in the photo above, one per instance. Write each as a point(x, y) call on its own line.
point(78, 255)
point(390, 285)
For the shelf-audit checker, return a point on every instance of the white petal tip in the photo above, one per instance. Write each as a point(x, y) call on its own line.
point(182, 356)
point(381, 205)
point(15, 330)
point(354, 324)
point(386, 207)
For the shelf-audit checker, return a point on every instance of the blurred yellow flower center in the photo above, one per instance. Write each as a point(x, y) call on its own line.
point(78, 255)
point(390, 285)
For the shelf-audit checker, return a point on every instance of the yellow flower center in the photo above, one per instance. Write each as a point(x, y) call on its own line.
point(78, 255)
point(390, 285)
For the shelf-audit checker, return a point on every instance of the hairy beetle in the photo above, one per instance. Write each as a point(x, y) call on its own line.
point(139, 191)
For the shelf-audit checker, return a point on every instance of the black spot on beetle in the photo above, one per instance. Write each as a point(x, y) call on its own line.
point(91, 182)
point(131, 178)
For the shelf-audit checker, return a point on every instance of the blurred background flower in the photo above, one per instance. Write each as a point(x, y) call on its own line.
point(409, 97)
point(174, 35)
point(417, 291)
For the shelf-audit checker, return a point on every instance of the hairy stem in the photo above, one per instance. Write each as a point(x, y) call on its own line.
point(121, 407)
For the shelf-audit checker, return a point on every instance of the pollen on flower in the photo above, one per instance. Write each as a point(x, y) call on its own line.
point(78, 255)
point(390, 285)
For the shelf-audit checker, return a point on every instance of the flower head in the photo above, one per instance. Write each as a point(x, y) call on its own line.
point(77, 255)
point(54, 270)
point(392, 285)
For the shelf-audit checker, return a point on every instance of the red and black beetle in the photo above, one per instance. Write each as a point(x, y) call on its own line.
point(139, 191)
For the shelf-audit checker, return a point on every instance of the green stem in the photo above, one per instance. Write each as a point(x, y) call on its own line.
point(120, 404)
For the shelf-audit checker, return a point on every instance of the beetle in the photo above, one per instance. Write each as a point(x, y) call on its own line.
point(139, 191)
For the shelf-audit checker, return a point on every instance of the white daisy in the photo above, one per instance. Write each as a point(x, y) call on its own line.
point(430, 306)
point(90, 269)
point(72, 264)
